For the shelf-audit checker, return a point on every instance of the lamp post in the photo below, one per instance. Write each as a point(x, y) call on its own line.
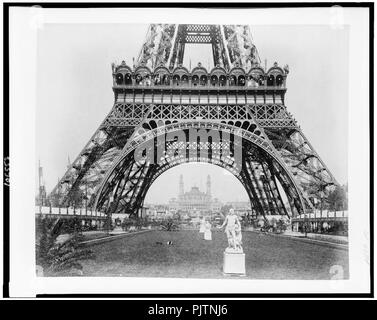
point(305, 226)
point(343, 206)
point(262, 179)
point(111, 200)
point(321, 194)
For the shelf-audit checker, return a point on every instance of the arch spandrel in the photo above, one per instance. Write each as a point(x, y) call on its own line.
point(199, 71)
point(161, 70)
point(275, 71)
point(123, 67)
point(181, 71)
point(258, 70)
point(218, 71)
point(237, 71)
point(143, 70)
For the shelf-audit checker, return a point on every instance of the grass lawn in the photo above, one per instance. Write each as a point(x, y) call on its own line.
point(91, 235)
point(267, 257)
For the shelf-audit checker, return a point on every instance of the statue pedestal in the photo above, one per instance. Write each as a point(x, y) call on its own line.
point(234, 263)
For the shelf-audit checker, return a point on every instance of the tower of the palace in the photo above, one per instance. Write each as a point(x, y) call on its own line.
point(181, 186)
point(209, 185)
point(42, 195)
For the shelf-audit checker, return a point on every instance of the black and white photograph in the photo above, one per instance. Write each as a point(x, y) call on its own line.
point(190, 150)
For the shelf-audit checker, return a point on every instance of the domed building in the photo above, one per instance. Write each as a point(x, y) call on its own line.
point(194, 201)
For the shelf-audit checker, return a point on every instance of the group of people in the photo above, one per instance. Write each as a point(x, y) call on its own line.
point(143, 81)
point(158, 79)
point(249, 81)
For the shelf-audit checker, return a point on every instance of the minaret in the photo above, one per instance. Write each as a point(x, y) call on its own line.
point(181, 188)
point(42, 187)
point(208, 185)
point(39, 177)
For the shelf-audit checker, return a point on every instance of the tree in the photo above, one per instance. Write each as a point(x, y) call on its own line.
point(169, 225)
point(337, 199)
point(126, 223)
point(56, 256)
point(281, 226)
point(77, 198)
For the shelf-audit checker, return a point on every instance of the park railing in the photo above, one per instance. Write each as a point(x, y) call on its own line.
point(325, 214)
point(69, 212)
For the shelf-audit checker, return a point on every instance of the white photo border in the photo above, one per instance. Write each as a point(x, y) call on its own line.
point(24, 23)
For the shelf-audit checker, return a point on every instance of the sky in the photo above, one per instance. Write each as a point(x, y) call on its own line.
point(74, 94)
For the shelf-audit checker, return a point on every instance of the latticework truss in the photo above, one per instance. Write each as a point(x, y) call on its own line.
point(232, 45)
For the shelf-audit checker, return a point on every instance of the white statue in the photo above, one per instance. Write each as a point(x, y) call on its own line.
point(202, 225)
point(207, 232)
point(233, 232)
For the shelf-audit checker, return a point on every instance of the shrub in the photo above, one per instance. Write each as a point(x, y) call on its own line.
point(57, 257)
point(169, 225)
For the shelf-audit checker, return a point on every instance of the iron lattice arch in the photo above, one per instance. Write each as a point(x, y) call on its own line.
point(259, 171)
point(158, 95)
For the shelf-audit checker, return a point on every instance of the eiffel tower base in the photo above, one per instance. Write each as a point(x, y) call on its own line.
point(237, 104)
